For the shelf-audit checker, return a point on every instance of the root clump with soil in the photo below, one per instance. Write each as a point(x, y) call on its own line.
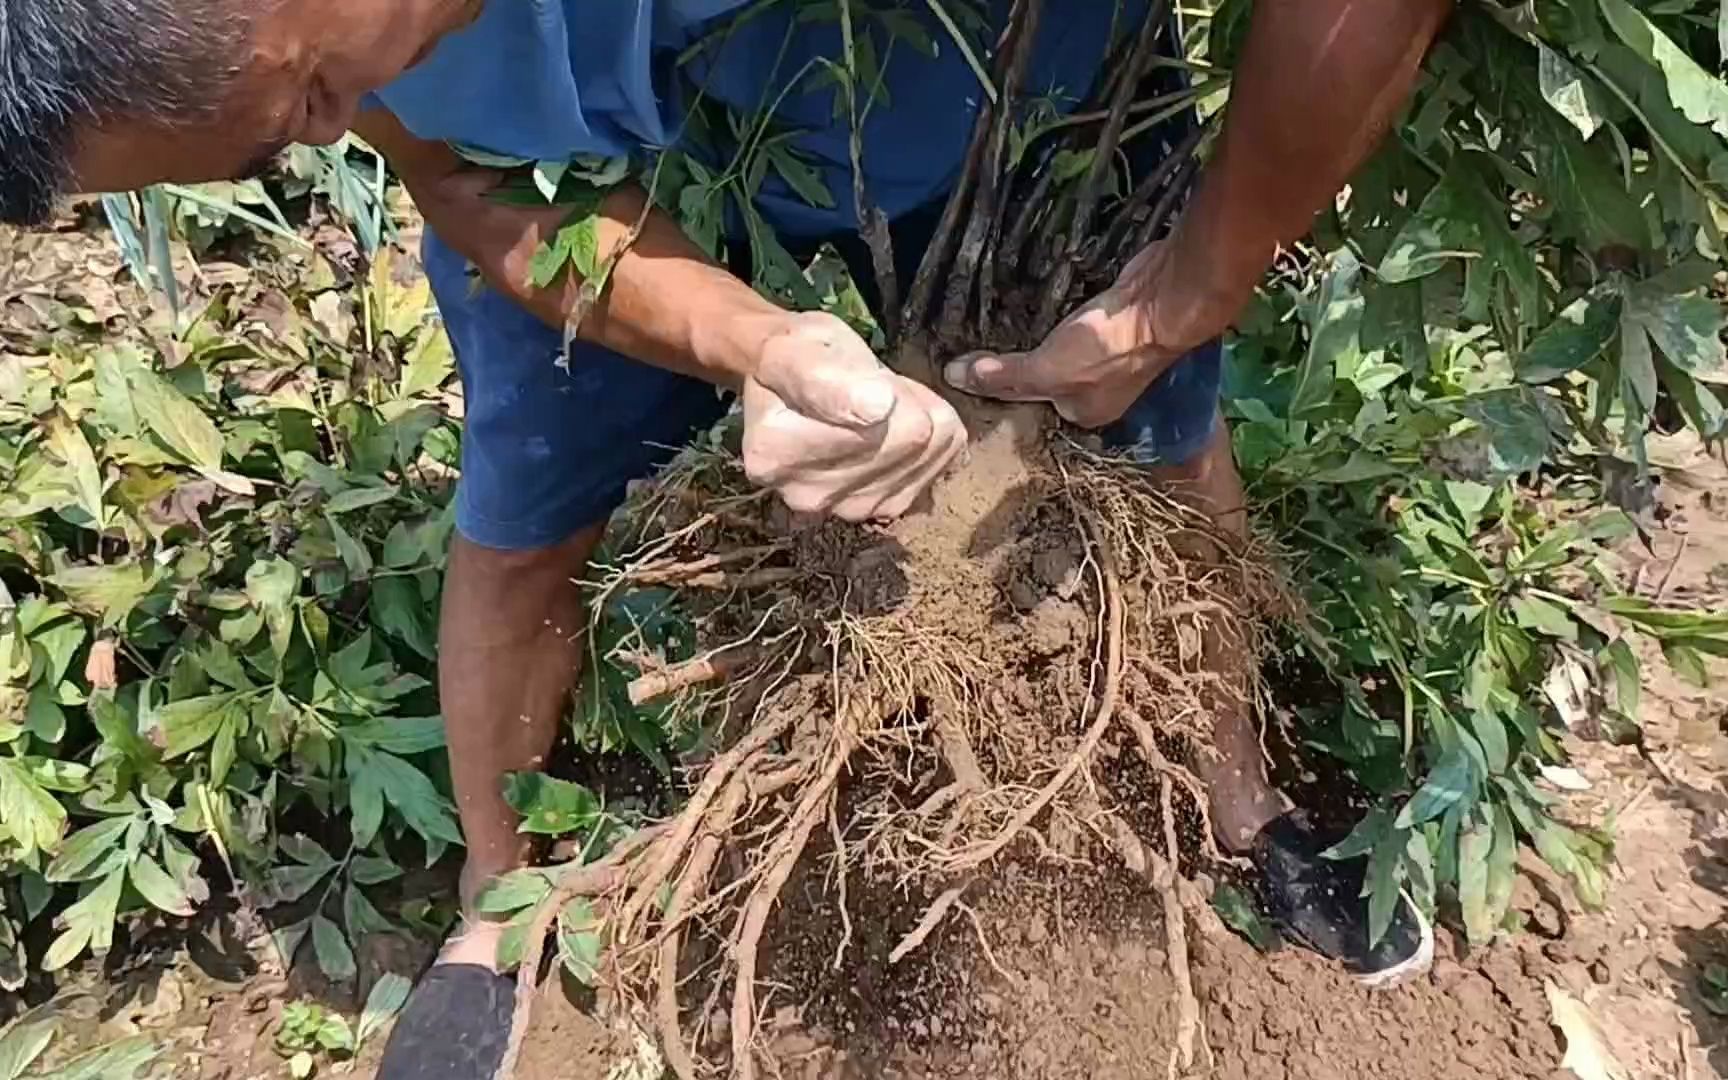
point(1014, 674)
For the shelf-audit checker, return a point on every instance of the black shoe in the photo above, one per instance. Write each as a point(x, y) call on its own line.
point(1318, 902)
point(454, 1027)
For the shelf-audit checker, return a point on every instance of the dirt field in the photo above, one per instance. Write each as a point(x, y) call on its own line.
point(1061, 973)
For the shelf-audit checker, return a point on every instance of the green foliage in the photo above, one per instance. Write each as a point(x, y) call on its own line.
point(244, 522)
point(309, 1030)
point(26, 1039)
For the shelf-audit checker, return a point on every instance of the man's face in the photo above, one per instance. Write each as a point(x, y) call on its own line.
point(307, 66)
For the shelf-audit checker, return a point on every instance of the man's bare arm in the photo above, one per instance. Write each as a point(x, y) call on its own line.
point(825, 424)
point(715, 331)
point(1318, 84)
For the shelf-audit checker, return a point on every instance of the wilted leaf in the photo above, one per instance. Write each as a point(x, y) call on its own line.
point(1587, 1053)
point(429, 364)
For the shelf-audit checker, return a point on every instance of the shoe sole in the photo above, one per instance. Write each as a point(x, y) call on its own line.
point(1419, 963)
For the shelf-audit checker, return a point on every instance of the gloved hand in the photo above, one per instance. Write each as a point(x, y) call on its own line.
point(833, 431)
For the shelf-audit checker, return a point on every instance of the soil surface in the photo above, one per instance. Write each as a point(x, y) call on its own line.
point(1056, 968)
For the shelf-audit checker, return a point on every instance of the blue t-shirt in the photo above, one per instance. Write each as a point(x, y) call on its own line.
point(550, 79)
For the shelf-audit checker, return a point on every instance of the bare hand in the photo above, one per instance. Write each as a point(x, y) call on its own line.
point(834, 431)
point(1098, 362)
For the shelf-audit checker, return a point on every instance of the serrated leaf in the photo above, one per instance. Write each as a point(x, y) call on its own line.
point(335, 958)
point(162, 891)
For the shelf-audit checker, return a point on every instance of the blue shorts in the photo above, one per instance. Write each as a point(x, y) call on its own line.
point(549, 448)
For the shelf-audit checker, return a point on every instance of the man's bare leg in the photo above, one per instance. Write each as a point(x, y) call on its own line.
point(510, 651)
point(1243, 802)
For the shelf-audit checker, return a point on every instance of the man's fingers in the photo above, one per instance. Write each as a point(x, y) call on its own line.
point(1005, 376)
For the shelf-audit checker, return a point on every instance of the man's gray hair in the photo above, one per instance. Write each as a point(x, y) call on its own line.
point(67, 64)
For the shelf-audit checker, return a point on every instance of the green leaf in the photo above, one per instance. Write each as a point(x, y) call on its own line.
point(359, 915)
point(550, 807)
point(286, 884)
point(1238, 912)
point(91, 852)
point(1688, 330)
point(1383, 883)
point(117, 1061)
point(1686, 661)
point(107, 592)
point(373, 869)
point(579, 942)
point(1544, 616)
point(1364, 838)
point(429, 365)
point(193, 723)
point(28, 813)
point(514, 891)
point(66, 441)
point(335, 958)
point(385, 1000)
point(399, 734)
point(176, 421)
point(1453, 777)
point(354, 554)
point(25, 1039)
point(89, 923)
point(1334, 335)
point(1695, 92)
point(1577, 336)
point(385, 777)
point(1475, 846)
point(358, 498)
point(1698, 403)
point(288, 939)
point(399, 610)
point(1617, 657)
point(271, 584)
point(801, 177)
point(162, 891)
